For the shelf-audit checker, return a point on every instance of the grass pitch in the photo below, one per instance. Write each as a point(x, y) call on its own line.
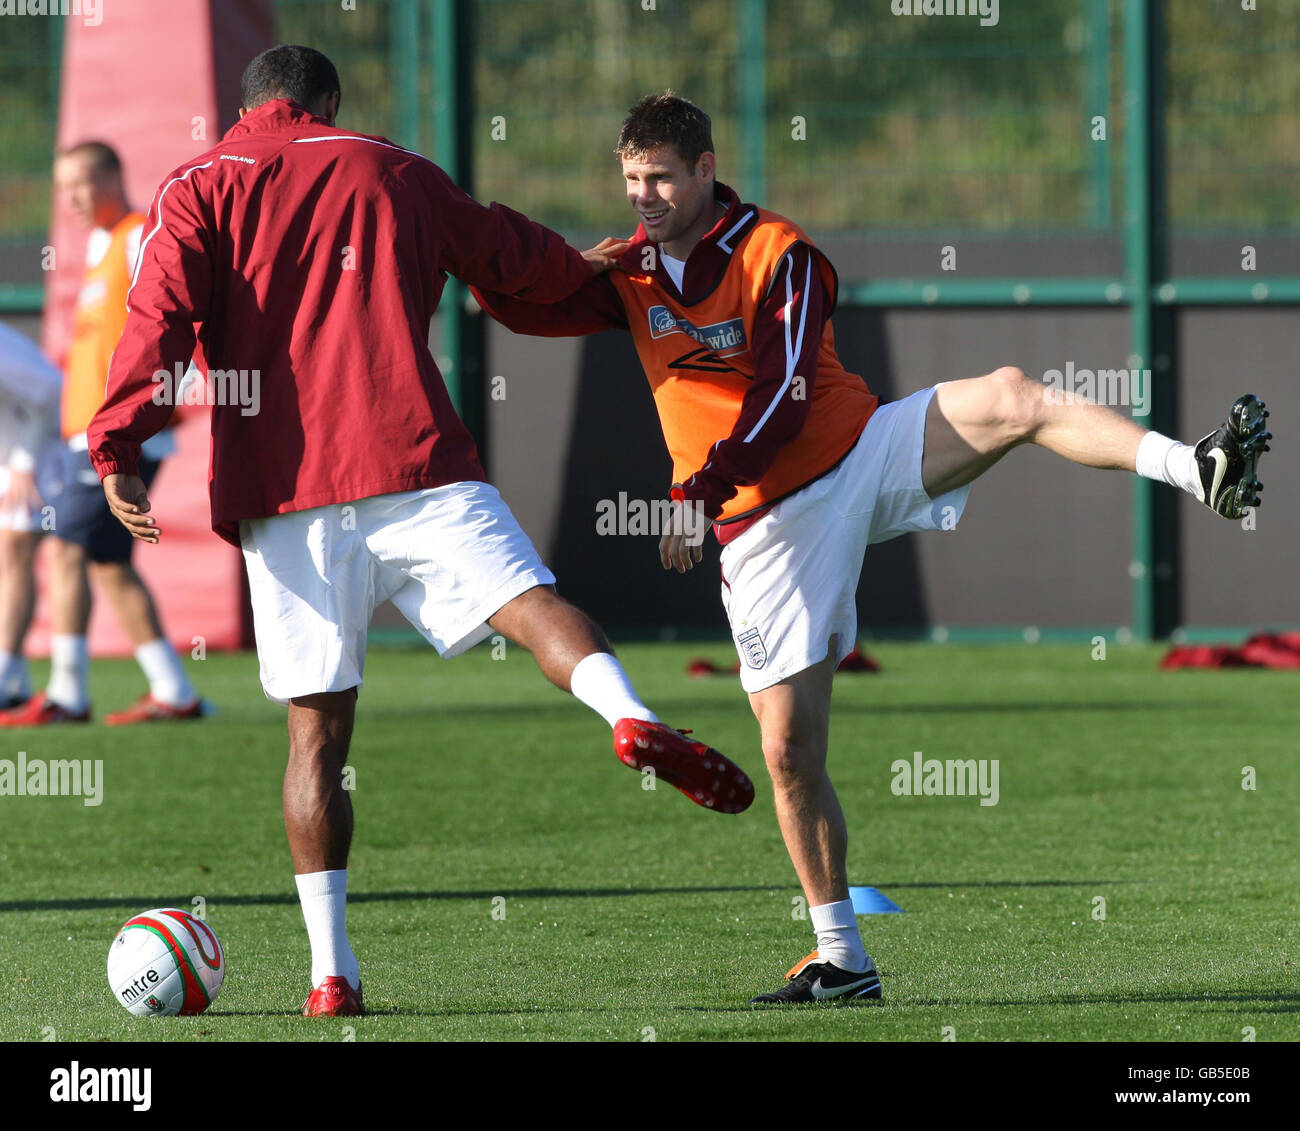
point(632, 914)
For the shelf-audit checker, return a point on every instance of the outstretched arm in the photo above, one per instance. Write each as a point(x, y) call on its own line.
point(593, 307)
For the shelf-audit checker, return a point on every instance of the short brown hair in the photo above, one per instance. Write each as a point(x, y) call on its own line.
point(103, 157)
point(665, 119)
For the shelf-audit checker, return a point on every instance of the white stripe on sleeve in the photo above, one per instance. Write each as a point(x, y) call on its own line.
point(792, 351)
point(158, 226)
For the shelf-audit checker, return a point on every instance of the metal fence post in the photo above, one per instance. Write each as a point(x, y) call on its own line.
point(1097, 101)
point(1137, 271)
point(462, 332)
point(752, 97)
point(404, 56)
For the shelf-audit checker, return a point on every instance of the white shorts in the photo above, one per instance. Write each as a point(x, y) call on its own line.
point(448, 557)
point(789, 582)
point(23, 519)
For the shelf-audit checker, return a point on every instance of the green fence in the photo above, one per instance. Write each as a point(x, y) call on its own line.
point(1131, 122)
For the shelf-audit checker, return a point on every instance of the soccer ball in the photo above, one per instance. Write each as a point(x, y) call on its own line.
point(165, 962)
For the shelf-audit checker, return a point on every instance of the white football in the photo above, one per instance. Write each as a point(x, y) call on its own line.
point(165, 962)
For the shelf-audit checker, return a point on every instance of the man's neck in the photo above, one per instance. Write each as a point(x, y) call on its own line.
point(682, 247)
point(118, 217)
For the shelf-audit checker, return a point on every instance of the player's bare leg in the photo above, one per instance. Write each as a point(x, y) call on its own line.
point(17, 600)
point(171, 695)
point(317, 809)
point(794, 717)
point(971, 424)
point(69, 596)
point(68, 587)
point(318, 821)
point(129, 599)
point(66, 698)
point(559, 635)
point(574, 654)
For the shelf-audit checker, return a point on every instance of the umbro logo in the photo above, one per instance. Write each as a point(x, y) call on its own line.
point(704, 360)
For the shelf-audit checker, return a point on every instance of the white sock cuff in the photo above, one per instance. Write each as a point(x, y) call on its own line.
point(600, 682)
point(838, 916)
point(1151, 453)
point(160, 647)
point(315, 884)
point(67, 647)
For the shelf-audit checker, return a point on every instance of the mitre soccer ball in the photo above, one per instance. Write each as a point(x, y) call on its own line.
point(165, 962)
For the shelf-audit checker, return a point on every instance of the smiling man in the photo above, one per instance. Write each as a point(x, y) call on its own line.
point(801, 467)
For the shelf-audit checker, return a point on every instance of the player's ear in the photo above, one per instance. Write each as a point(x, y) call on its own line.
point(242, 111)
point(707, 166)
point(332, 106)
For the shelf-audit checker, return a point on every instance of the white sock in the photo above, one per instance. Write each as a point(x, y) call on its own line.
point(1168, 461)
point(324, 897)
point(14, 681)
point(838, 939)
point(162, 667)
point(69, 664)
point(600, 681)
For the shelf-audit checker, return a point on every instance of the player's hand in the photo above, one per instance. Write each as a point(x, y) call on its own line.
point(22, 493)
point(680, 546)
point(129, 502)
point(605, 254)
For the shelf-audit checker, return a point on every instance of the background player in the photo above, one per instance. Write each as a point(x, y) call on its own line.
point(29, 400)
point(316, 257)
point(801, 467)
point(87, 542)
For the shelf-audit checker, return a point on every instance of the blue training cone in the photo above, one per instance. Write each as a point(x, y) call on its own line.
point(868, 901)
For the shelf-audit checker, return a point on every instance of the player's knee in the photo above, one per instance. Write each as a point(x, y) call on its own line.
point(791, 759)
point(1017, 402)
point(66, 555)
point(111, 575)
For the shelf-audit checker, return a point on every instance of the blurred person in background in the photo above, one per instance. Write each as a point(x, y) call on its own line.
point(87, 541)
point(29, 400)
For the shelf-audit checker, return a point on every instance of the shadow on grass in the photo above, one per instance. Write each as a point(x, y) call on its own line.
point(1021, 708)
point(403, 1012)
point(1251, 1002)
point(881, 885)
point(1281, 1002)
point(684, 707)
point(273, 898)
point(254, 1013)
point(291, 898)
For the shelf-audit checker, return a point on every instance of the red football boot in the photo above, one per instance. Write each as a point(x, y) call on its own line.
point(334, 997)
point(147, 709)
point(39, 711)
point(699, 771)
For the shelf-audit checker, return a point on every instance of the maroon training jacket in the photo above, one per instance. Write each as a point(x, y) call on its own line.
point(315, 257)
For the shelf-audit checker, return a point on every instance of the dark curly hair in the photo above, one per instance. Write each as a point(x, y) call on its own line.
point(301, 74)
point(665, 119)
